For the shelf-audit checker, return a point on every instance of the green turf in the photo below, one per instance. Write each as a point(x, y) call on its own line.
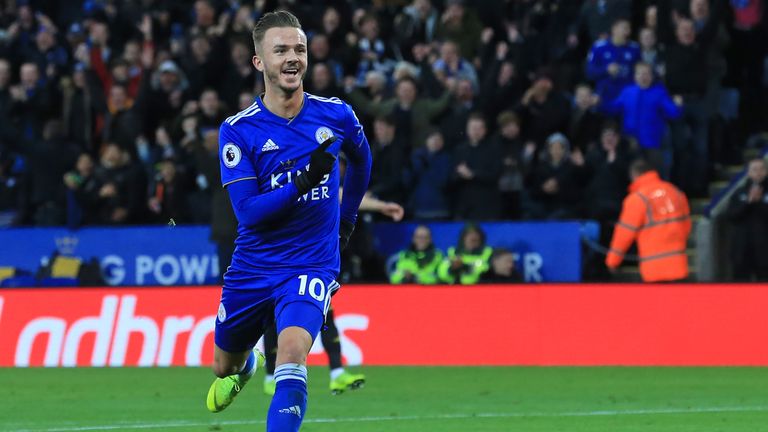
point(399, 399)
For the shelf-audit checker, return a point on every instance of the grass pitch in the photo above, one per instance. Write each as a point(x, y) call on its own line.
point(398, 399)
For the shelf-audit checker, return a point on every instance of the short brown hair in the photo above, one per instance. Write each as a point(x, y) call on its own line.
point(506, 117)
point(270, 20)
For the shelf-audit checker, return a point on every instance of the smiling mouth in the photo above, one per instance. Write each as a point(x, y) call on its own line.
point(291, 72)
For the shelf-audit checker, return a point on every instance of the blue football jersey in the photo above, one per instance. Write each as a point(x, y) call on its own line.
point(259, 146)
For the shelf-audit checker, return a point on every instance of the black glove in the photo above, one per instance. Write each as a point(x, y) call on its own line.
point(345, 232)
point(320, 163)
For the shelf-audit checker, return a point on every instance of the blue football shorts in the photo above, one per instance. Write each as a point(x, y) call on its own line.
point(251, 304)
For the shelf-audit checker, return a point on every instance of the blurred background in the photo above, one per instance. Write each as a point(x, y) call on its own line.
point(505, 129)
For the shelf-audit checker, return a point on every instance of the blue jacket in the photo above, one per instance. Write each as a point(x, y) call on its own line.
point(644, 112)
point(603, 53)
point(428, 178)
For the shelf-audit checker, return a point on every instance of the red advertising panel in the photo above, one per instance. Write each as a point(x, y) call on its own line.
point(407, 325)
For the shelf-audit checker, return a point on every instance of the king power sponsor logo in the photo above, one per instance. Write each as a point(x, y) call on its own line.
point(118, 334)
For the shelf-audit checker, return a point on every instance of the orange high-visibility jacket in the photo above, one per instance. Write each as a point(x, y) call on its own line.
point(657, 213)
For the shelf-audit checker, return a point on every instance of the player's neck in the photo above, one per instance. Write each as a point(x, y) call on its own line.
point(282, 104)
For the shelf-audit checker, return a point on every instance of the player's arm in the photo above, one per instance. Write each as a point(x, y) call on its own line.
point(238, 175)
point(358, 152)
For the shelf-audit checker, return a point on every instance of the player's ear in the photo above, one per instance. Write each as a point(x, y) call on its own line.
point(257, 63)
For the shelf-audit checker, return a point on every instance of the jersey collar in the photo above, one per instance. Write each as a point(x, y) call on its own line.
point(277, 118)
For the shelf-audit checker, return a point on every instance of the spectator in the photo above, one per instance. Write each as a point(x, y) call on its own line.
point(167, 198)
point(84, 101)
point(121, 192)
point(477, 168)
point(502, 268)
point(452, 65)
point(50, 58)
point(597, 17)
point(686, 51)
point(467, 262)
point(515, 162)
point(585, 122)
point(607, 168)
point(543, 110)
point(556, 182)
point(320, 52)
point(462, 26)
point(202, 67)
point(322, 81)
point(501, 84)
point(245, 99)
point(121, 122)
point(454, 119)
point(746, 60)
point(335, 30)
point(413, 115)
point(611, 61)
point(372, 53)
point(428, 178)
point(81, 193)
point(161, 98)
point(240, 76)
point(415, 25)
point(33, 102)
point(645, 108)
point(388, 159)
point(748, 213)
point(657, 214)
point(650, 52)
point(419, 263)
point(48, 158)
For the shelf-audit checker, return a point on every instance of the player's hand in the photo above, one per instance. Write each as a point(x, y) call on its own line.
point(345, 232)
point(320, 163)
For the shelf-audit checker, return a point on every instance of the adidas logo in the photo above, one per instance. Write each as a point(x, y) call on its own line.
point(296, 410)
point(269, 146)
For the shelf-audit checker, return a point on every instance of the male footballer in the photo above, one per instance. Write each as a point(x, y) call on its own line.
point(279, 165)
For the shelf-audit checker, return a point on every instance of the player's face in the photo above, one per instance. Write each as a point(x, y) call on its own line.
point(283, 58)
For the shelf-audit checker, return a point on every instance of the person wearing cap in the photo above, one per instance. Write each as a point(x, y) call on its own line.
point(162, 96)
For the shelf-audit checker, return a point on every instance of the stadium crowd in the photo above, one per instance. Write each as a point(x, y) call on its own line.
point(516, 109)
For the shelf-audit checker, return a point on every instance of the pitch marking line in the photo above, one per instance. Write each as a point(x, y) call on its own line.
point(606, 413)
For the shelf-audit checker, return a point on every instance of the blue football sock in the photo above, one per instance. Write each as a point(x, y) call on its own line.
point(290, 400)
point(250, 366)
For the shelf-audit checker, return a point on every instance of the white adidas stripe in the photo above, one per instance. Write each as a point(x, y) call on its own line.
point(253, 105)
point(243, 113)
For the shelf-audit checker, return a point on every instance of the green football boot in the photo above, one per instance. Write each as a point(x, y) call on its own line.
point(347, 381)
point(223, 390)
